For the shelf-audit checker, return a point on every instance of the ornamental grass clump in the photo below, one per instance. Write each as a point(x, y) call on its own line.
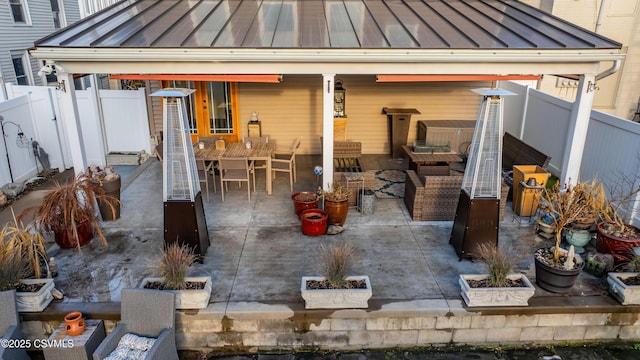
point(499, 264)
point(69, 205)
point(335, 262)
point(11, 267)
point(29, 244)
point(174, 264)
point(337, 192)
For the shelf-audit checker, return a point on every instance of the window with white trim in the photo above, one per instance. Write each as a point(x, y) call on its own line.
point(57, 12)
point(21, 69)
point(19, 12)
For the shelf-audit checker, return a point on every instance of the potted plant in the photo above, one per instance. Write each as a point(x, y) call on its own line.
point(304, 200)
point(335, 290)
point(172, 267)
point(500, 287)
point(556, 268)
point(109, 180)
point(69, 211)
point(625, 284)
point(336, 204)
point(614, 235)
point(21, 255)
point(313, 222)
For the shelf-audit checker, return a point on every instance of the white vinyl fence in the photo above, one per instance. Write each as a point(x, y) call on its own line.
point(612, 149)
point(112, 121)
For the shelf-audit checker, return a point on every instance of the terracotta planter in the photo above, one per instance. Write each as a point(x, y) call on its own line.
point(300, 203)
point(313, 222)
point(556, 280)
point(337, 211)
point(110, 187)
point(63, 235)
point(610, 244)
point(74, 323)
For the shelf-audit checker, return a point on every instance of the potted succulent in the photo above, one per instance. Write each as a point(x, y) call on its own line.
point(336, 204)
point(335, 290)
point(556, 268)
point(500, 287)
point(109, 180)
point(625, 284)
point(172, 266)
point(614, 235)
point(22, 255)
point(69, 211)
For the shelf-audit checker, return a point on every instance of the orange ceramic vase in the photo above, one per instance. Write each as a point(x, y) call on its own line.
point(74, 323)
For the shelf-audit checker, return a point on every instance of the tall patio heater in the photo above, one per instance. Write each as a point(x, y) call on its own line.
point(184, 218)
point(478, 213)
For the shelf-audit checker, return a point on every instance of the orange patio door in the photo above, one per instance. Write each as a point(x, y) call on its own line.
point(211, 109)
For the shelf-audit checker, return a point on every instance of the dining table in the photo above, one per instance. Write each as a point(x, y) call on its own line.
point(257, 152)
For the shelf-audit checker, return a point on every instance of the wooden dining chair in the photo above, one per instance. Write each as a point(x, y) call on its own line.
point(204, 170)
point(285, 161)
point(236, 169)
point(256, 140)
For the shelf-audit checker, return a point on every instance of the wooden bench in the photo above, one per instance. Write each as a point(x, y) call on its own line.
point(517, 152)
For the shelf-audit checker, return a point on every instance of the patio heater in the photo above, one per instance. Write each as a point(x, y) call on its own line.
point(184, 218)
point(478, 213)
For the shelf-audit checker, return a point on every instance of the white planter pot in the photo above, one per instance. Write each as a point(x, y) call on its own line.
point(335, 298)
point(504, 296)
point(35, 301)
point(625, 294)
point(188, 299)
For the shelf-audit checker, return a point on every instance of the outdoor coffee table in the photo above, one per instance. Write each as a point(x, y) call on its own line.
point(83, 345)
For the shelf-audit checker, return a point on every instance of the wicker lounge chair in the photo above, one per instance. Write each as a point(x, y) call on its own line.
point(149, 313)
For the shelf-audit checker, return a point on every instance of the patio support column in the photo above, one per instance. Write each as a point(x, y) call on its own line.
point(71, 119)
point(327, 130)
point(101, 139)
point(577, 131)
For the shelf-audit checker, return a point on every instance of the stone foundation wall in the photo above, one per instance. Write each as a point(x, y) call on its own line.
point(252, 327)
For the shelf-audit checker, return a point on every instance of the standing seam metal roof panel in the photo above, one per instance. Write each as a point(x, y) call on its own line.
point(357, 24)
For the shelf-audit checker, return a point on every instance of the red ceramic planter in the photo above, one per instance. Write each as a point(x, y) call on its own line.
point(313, 222)
point(300, 202)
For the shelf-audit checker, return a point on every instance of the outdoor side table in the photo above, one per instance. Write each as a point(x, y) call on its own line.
point(83, 345)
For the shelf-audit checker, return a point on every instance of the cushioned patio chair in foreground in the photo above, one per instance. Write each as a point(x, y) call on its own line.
point(147, 313)
point(10, 326)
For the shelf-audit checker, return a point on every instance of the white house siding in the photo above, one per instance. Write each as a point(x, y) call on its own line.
point(19, 38)
point(293, 108)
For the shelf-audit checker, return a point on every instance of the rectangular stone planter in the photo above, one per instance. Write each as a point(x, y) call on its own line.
point(35, 301)
point(625, 294)
point(503, 296)
point(188, 299)
point(335, 298)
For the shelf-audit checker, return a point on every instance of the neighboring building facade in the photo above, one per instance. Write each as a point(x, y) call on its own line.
point(21, 23)
point(618, 94)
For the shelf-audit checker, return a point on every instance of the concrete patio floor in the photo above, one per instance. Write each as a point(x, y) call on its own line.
point(258, 253)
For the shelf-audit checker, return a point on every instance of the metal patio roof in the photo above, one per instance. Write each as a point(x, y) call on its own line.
point(325, 24)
